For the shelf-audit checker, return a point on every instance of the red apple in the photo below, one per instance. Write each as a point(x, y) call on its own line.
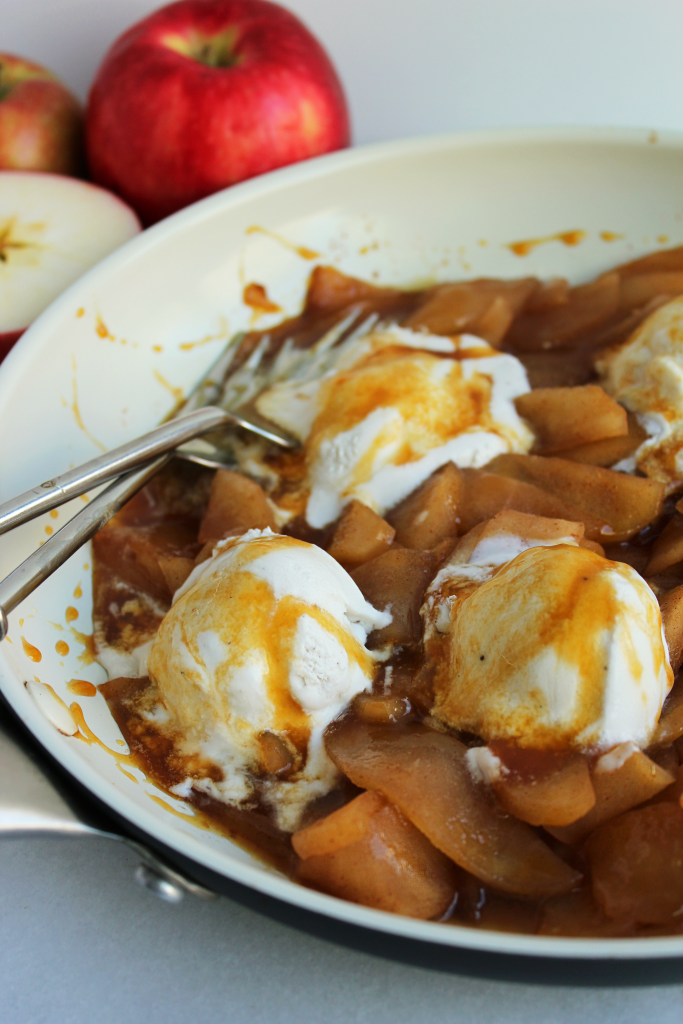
point(41, 123)
point(205, 93)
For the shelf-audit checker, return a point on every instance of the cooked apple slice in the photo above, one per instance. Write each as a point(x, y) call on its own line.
point(671, 607)
point(624, 503)
point(670, 725)
point(367, 852)
point(484, 307)
point(639, 289)
point(610, 450)
point(430, 514)
point(381, 708)
point(425, 773)
point(150, 558)
point(567, 417)
point(622, 779)
point(636, 864)
point(53, 229)
point(667, 550)
point(359, 535)
point(520, 526)
point(542, 787)
point(662, 261)
point(397, 580)
point(485, 494)
point(588, 306)
point(330, 290)
point(235, 502)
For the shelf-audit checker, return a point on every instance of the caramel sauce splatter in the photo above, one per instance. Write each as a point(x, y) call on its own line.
point(157, 348)
point(177, 393)
point(194, 819)
point(87, 640)
point(300, 250)
point(128, 775)
point(78, 592)
point(256, 296)
point(80, 312)
point(663, 239)
point(76, 410)
point(610, 236)
point(523, 248)
point(102, 330)
point(71, 613)
point(82, 688)
point(49, 530)
point(86, 734)
point(30, 651)
point(62, 648)
point(54, 513)
point(187, 346)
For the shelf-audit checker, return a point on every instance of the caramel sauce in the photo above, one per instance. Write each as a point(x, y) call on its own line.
point(527, 246)
point(71, 614)
point(30, 651)
point(62, 648)
point(300, 250)
point(75, 408)
point(127, 613)
point(78, 592)
point(610, 236)
point(256, 296)
point(81, 688)
point(101, 329)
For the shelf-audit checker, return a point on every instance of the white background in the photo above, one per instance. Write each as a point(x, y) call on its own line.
point(411, 67)
point(79, 942)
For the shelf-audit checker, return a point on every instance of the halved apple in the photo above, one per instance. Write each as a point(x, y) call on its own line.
point(52, 229)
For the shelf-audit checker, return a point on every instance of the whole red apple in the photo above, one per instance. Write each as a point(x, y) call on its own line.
point(206, 93)
point(41, 123)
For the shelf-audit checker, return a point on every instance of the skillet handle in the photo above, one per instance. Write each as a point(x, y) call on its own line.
point(33, 804)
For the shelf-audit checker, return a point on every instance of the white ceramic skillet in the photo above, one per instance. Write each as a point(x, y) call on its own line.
point(110, 358)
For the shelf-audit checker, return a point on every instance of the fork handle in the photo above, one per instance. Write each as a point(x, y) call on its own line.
point(43, 562)
point(105, 467)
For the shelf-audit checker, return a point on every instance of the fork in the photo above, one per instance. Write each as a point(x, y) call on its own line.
point(230, 391)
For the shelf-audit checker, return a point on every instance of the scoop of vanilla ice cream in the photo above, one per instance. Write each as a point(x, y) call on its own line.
point(646, 376)
point(557, 647)
point(267, 636)
point(395, 407)
point(481, 553)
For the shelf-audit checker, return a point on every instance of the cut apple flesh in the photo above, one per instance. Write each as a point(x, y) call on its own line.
point(52, 229)
point(425, 773)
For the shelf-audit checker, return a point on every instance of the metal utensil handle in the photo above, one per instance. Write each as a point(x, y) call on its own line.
point(43, 562)
point(105, 467)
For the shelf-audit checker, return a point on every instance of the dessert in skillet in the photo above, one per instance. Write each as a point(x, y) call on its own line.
point(428, 662)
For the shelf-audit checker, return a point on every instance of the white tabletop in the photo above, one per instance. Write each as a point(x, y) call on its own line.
point(80, 942)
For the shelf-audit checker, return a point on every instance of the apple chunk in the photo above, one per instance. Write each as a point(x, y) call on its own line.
point(624, 504)
point(622, 778)
point(55, 229)
point(235, 503)
point(359, 535)
point(426, 775)
point(567, 417)
point(368, 852)
point(430, 514)
point(636, 864)
point(542, 787)
point(486, 494)
point(397, 580)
